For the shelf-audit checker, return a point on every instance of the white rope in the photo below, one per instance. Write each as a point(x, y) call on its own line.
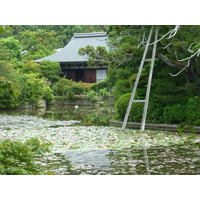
point(188, 58)
point(179, 71)
point(167, 46)
point(191, 46)
point(171, 34)
point(143, 39)
point(188, 63)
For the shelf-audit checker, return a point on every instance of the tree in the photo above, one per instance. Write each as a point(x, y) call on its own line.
point(34, 89)
point(50, 70)
point(13, 47)
point(38, 44)
point(9, 93)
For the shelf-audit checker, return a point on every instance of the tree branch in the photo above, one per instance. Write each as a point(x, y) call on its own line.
point(171, 34)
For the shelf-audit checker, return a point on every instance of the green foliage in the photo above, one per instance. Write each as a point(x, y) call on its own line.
point(69, 88)
point(18, 158)
point(64, 32)
point(9, 93)
point(121, 107)
point(50, 70)
point(7, 70)
point(13, 47)
point(91, 95)
point(30, 67)
point(193, 111)
point(121, 87)
point(95, 55)
point(182, 113)
point(100, 85)
point(35, 88)
point(174, 114)
point(104, 93)
point(39, 43)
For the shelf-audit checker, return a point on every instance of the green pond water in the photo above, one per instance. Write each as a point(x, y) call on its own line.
point(86, 115)
point(165, 160)
point(173, 160)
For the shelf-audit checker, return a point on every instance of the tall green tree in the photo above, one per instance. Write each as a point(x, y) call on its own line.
point(38, 44)
point(13, 47)
point(50, 70)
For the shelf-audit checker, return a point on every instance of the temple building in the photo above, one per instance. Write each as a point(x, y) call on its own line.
point(74, 66)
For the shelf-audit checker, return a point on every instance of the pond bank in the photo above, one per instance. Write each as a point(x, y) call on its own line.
point(167, 127)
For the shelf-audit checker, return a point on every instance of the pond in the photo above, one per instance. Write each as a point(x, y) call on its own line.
point(86, 115)
point(173, 160)
point(83, 143)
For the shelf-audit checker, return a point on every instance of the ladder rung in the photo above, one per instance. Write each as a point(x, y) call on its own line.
point(147, 60)
point(138, 101)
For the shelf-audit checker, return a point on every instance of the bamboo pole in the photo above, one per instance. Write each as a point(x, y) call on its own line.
point(149, 82)
point(137, 81)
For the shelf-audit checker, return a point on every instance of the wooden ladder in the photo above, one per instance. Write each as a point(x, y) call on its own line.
point(146, 100)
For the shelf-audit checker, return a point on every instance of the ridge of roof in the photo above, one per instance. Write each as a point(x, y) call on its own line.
point(95, 34)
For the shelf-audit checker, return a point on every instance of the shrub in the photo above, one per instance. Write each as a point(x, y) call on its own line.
point(193, 111)
point(18, 158)
point(100, 85)
point(69, 88)
point(91, 95)
point(9, 93)
point(48, 95)
point(174, 114)
point(121, 107)
point(121, 87)
point(34, 89)
point(104, 93)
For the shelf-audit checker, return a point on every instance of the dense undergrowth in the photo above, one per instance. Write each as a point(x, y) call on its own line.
point(19, 158)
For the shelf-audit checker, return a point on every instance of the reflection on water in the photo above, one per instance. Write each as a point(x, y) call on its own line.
point(171, 160)
point(88, 115)
point(130, 161)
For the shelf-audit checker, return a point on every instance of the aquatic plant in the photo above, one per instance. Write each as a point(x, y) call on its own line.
point(64, 138)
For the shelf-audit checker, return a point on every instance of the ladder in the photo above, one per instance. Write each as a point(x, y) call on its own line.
point(146, 100)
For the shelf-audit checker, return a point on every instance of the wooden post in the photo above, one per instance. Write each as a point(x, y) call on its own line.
point(137, 80)
point(149, 82)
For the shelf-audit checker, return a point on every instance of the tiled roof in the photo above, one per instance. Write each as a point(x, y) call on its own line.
point(70, 52)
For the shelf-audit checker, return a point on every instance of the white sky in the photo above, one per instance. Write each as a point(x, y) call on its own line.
point(86, 12)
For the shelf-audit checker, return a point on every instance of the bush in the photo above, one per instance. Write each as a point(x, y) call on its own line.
point(100, 85)
point(18, 158)
point(121, 87)
point(121, 107)
point(193, 111)
point(69, 88)
point(9, 93)
point(187, 114)
point(174, 114)
point(34, 89)
point(104, 93)
point(91, 95)
point(48, 95)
